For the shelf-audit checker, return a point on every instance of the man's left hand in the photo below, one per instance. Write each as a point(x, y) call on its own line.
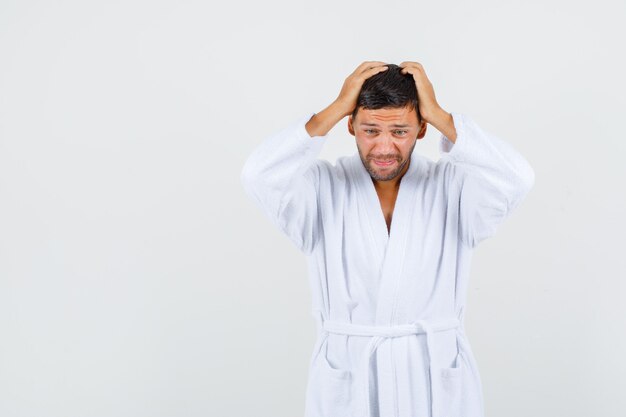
point(428, 105)
point(429, 109)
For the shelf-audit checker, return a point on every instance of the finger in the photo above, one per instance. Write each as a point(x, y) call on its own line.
point(364, 65)
point(407, 65)
point(377, 68)
point(372, 71)
point(412, 70)
point(372, 65)
point(418, 75)
point(410, 63)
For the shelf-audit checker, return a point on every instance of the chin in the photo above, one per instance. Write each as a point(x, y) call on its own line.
point(383, 176)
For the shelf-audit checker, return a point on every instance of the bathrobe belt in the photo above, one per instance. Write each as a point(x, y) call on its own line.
point(379, 334)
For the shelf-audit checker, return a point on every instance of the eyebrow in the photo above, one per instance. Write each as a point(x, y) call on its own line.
point(393, 125)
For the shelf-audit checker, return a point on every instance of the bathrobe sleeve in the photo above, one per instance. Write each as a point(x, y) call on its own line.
point(489, 177)
point(282, 175)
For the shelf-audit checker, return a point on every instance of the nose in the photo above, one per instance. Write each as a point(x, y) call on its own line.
point(384, 145)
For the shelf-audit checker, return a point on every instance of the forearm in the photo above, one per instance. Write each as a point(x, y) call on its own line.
point(490, 178)
point(443, 122)
point(281, 156)
point(498, 169)
point(281, 177)
point(321, 123)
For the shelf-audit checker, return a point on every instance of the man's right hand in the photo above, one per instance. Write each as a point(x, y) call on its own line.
point(321, 123)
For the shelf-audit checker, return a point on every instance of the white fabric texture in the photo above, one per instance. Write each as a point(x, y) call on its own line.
point(389, 305)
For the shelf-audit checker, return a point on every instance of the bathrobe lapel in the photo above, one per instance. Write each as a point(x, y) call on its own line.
point(391, 246)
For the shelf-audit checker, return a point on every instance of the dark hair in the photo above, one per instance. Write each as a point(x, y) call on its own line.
point(389, 88)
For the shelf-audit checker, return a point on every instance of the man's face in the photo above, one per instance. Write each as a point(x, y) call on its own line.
point(385, 139)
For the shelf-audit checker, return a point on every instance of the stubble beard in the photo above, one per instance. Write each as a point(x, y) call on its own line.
point(370, 167)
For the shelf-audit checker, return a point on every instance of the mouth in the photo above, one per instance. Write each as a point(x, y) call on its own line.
point(384, 163)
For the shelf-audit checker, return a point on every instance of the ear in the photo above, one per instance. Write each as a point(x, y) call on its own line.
point(422, 130)
point(350, 127)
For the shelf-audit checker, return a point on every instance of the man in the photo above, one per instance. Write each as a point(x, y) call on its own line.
point(388, 235)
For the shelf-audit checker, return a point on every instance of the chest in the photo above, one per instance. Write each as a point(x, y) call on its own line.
point(387, 204)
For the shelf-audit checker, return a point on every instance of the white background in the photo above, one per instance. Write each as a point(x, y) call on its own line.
point(137, 279)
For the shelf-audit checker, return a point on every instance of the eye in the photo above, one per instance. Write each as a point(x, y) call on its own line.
point(401, 132)
point(370, 131)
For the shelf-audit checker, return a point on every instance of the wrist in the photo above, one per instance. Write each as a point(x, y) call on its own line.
point(321, 123)
point(437, 117)
point(444, 123)
point(340, 109)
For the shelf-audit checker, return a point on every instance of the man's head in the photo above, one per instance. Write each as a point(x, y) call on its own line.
point(386, 123)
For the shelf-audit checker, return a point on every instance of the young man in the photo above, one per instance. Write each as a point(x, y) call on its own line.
point(389, 236)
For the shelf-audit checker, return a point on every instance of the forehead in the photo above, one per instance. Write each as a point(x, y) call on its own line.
point(387, 116)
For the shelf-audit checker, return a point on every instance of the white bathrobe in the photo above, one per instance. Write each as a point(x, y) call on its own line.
point(389, 306)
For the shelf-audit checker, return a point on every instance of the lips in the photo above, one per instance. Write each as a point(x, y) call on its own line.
point(384, 163)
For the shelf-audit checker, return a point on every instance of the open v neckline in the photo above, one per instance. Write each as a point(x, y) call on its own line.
point(377, 222)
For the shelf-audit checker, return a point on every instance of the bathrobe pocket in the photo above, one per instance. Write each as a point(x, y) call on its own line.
point(330, 393)
point(447, 389)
